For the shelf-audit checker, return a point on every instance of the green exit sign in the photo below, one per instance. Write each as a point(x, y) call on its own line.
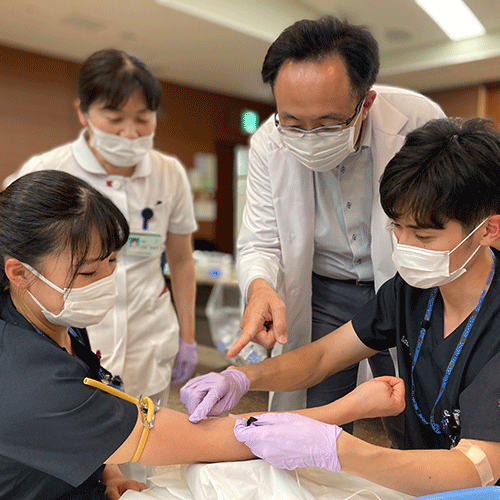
point(250, 121)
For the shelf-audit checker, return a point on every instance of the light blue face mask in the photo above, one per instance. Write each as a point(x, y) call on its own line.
point(84, 306)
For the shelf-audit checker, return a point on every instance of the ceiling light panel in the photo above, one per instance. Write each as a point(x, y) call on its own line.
point(454, 17)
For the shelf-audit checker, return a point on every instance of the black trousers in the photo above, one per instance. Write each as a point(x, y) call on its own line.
point(334, 303)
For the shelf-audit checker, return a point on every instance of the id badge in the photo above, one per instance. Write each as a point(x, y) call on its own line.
point(144, 245)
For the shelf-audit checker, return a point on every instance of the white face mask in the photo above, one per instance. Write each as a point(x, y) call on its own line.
point(322, 152)
point(120, 151)
point(84, 306)
point(423, 268)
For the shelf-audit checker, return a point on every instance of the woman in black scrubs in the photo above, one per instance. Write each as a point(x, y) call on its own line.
point(61, 439)
point(59, 239)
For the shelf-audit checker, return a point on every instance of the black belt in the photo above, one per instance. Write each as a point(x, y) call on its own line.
point(358, 282)
point(347, 282)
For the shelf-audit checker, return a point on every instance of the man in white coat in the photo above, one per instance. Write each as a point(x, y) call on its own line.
point(314, 245)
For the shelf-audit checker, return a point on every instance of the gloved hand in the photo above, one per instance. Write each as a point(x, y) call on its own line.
point(185, 362)
point(213, 394)
point(289, 440)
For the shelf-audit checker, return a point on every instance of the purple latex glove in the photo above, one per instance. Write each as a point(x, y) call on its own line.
point(185, 362)
point(288, 441)
point(213, 394)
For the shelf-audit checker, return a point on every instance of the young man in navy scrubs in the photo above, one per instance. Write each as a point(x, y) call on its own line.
point(441, 312)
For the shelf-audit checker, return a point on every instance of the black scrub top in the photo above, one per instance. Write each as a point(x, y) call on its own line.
point(55, 432)
point(393, 318)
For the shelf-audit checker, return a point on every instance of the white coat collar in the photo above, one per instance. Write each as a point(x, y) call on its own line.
point(365, 141)
point(385, 117)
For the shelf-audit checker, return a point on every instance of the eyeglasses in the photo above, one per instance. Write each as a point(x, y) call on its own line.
point(300, 132)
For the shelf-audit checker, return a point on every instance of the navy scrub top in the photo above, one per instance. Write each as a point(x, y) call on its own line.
point(55, 432)
point(393, 318)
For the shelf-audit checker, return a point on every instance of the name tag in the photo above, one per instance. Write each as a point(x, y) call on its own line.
point(144, 245)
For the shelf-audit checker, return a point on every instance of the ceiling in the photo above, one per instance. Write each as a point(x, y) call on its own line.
point(219, 45)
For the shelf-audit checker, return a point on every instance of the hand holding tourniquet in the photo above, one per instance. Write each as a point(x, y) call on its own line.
point(213, 394)
point(289, 441)
point(185, 362)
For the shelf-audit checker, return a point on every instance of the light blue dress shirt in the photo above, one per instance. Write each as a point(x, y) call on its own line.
point(343, 200)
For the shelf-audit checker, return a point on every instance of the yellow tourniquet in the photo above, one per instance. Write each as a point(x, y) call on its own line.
point(146, 405)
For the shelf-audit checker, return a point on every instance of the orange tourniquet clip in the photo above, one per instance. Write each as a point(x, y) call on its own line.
point(146, 406)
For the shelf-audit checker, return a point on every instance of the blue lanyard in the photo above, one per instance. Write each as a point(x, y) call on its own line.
point(70, 330)
point(105, 376)
point(458, 350)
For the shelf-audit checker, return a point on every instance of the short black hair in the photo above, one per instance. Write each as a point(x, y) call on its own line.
point(448, 169)
point(49, 211)
point(112, 75)
point(327, 36)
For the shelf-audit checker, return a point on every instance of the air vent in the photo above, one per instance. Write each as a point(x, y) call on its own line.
point(128, 36)
point(398, 35)
point(83, 23)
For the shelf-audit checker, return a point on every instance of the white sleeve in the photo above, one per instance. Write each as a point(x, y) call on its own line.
point(32, 165)
point(259, 246)
point(182, 219)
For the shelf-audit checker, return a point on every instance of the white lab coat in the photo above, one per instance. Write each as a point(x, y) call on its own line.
point(276, 241)
point(139, 338)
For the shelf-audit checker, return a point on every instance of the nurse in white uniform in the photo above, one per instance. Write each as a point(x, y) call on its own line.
point(142, 339)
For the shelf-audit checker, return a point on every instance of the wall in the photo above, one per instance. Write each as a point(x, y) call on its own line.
point(482, 101)
point(493, 103)
point(37, 97)
point(469, 102)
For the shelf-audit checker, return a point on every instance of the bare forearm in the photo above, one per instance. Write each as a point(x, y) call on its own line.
point(334, 413)
point(213, 440)
point(380, 397)
point(182, 277)
point(174, 440)
point(308, 365)
point(415, 472)
point(339, 412)
point(288, 372)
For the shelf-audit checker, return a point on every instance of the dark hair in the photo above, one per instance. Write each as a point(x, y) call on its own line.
point(112, 75)
point(449, 169)
point(315, 40)
point(51, 211)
